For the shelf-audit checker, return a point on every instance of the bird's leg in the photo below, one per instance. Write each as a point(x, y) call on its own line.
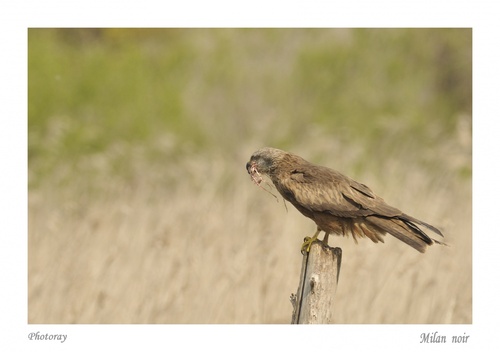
point(325, 239)
point(308, 241)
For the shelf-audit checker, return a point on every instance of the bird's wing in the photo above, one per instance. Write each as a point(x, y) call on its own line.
point(321, 189)
point(381, 208)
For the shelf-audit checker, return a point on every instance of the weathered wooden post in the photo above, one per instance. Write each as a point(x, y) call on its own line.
point(313, 303)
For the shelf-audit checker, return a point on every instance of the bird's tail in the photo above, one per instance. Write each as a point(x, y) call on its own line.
point(409, 218)
point(405, 228)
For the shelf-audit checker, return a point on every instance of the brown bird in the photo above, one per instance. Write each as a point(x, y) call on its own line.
point(337, 204)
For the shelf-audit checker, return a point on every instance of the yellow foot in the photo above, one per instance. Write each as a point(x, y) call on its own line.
point(308, 241)
point(306, 246)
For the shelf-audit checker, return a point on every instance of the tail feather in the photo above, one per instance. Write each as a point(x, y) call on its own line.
point(404, 229)
point(420, 222)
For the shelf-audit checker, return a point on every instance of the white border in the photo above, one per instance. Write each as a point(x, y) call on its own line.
point(16, 17)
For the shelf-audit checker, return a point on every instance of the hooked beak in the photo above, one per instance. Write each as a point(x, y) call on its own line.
point(248, 167)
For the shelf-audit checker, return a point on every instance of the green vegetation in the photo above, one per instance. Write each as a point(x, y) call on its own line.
point(416, 75)
point(95, 91)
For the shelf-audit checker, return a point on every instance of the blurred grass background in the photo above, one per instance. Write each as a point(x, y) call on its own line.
point(141, 211)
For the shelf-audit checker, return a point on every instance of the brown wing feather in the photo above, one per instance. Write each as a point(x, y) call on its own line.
point(321, 189)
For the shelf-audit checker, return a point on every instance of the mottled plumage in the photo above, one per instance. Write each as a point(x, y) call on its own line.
point(337, 204)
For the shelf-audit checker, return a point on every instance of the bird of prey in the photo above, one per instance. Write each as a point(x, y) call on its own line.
point(336, 203)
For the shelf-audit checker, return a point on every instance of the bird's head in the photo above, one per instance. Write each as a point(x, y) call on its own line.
point(264, 161)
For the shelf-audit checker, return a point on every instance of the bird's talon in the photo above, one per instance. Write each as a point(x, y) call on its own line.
point(306, 246)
